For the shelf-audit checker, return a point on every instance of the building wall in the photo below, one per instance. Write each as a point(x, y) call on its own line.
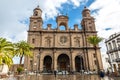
point(55, 42)
point(113, 50)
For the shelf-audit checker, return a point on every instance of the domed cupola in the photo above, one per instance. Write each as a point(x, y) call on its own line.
point(37, 12)
point(86, 12)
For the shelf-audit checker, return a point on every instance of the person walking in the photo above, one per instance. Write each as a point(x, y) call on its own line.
point(102, 74)
point(55, 72)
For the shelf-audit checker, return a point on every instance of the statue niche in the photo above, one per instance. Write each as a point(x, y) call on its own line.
point(48, 41)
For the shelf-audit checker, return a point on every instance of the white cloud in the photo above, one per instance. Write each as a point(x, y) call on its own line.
point(107, 16)
point(78, 2)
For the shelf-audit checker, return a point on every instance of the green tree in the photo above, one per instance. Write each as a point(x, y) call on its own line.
point(23, 49)
point(6, 52)
point(94, 40)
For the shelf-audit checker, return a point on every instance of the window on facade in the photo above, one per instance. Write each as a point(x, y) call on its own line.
point(94, 55)
point(112, 56)
point(33, 40)
point(95, 62)
point(62, 28)
point(31, 64)
point(117, 55)
point(106, 59)
point(39, 20)
point(114, 44)
point(118, 45)
point(35, 22)
point(110, 46)
point(118, 66)
point(118, 40)
point(35, 13)
point(90, 28)
point(89, 22)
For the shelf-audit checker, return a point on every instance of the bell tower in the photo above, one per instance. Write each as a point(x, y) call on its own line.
point(87, 23)
point(62, 20)
point(36, 20)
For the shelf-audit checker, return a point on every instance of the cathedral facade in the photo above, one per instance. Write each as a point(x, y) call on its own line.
point(56, 49)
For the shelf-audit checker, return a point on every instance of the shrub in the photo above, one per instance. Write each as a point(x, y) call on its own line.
point(20, 69)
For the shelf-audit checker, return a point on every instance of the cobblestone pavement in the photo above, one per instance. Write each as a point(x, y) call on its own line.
point(61, 77)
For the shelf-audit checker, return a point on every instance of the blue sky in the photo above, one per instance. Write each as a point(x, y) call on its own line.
point(14, 16)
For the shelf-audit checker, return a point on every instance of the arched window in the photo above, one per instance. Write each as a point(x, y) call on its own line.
point(118, 40)
point(33, 40)
point(35, 13)
point(62, 28)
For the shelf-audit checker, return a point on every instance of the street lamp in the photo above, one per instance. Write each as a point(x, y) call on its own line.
point(38, 57)
point(80, 56)
point(25, 71)
point(36, 68)
point(69, 68)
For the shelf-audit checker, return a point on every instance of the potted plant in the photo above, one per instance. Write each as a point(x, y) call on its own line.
point(20, 69)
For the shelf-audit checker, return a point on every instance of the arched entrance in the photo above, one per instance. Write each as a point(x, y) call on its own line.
point(63, 62)
point(79, 63)
point(47, 64)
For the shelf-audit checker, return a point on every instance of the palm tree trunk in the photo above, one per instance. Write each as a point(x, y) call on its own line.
point(21, 59)
point(98, 68)
point(86, 50)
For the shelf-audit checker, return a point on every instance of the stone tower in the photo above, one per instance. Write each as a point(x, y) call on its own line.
point(87, 23)
point(36, 20)
point(62, 20)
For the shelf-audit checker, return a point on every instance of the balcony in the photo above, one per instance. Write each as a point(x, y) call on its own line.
point(118, 60)
point(113, 50)
point(119, 48)
point(114, 60)
point(109, 61)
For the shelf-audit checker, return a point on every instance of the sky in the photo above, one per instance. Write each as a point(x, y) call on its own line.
point(14, 16)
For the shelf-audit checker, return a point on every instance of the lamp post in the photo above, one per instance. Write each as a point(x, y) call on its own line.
point(36, 68)
point(81, 66)
point(80, 56)
point(68, 68)
point(25, 71)
point(38, 57)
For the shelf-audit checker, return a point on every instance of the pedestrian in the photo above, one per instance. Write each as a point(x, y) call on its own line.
point(55, 72)
point(102, 74)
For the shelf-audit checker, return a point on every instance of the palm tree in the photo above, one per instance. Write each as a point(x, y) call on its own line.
point(6, 52)
point(94, 40)
point(23, 49)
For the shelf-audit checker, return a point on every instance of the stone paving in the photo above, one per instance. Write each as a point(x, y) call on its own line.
point(60, 77)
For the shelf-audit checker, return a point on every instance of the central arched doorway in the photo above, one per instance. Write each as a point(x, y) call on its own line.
point(63, 62)
point(47, 64)
point(79, 63)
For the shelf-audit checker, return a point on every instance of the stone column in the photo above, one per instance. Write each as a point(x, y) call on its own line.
point(72, 62)
point(55, 61)
point(41, 64)
point(86, 60)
